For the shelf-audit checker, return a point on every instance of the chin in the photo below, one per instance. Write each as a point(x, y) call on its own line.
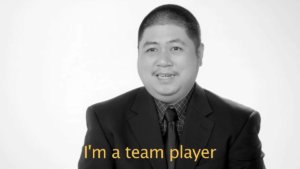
point(165, 94)
point(166, 90)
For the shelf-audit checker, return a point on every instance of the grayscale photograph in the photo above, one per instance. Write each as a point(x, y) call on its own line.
point(167, 84)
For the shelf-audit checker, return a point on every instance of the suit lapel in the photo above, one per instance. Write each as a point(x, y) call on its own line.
point(197, 128)
point(145, 126)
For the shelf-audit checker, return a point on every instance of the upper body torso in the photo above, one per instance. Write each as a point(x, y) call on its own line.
point(211, 122)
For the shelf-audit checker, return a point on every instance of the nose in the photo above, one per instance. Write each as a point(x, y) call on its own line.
point(164, 59)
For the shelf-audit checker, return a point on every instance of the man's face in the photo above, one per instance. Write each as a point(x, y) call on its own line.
point(168, 62)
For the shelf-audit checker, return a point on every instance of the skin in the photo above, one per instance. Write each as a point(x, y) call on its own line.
point(168, 62)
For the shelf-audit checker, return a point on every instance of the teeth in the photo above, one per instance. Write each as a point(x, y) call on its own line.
point(165, 75)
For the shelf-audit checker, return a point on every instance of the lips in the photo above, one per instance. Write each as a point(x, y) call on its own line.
point(164, 75)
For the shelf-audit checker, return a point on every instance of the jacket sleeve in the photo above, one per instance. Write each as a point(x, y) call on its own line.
point(245, 152)
point(95, 139)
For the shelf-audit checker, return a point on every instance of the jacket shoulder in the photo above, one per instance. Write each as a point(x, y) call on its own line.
point(225, 105)
point(114, 111)
point(230, 115)
point(119, 102)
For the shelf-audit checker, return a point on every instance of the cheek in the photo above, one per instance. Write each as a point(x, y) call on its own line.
point(144, 66)
point(187, 63)
point(145, 62)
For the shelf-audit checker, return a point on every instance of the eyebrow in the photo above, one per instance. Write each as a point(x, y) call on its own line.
point(149, 43)
point(171, 41)
point(177, 41)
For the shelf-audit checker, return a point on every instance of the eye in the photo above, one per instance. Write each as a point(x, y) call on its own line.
point(151, 50)
point(176, 48)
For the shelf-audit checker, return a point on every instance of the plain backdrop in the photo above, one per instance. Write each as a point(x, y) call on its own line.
point(58, 57)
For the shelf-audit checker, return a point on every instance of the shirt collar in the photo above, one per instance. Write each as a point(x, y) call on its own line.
point(180, 106)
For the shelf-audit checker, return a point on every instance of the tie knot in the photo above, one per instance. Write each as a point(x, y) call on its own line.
point(171, 115)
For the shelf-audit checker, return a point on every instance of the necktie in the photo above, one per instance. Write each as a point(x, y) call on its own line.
point(171, 138)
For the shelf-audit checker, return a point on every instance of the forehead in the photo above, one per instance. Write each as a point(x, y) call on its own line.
point(164, 33)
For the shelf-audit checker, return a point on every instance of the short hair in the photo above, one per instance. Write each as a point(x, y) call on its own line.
point(174, 14)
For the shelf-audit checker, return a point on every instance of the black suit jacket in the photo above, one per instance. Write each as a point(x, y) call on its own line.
point(131, 120)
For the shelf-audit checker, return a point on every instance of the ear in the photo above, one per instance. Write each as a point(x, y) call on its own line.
point(200, 54)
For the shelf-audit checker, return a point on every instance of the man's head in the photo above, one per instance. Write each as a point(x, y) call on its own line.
point(170, 52)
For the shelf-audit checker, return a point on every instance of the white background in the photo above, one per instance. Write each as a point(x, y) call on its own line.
point(58, 57)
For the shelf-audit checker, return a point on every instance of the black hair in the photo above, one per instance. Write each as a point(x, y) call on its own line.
point(175, 14)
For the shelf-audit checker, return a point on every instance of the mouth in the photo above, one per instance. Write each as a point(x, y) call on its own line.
point(165, 76)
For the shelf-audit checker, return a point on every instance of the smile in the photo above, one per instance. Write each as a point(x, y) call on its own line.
point(165, 75)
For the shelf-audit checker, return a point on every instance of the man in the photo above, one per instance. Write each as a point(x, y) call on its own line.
point(171, 111)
